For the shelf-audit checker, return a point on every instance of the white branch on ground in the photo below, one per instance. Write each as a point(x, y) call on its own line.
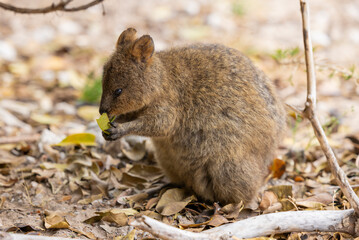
point(267, 224)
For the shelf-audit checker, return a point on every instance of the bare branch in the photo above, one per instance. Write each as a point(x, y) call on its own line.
point(61, 6)
point(83, 7)
point(309, 112)
point(309, 60)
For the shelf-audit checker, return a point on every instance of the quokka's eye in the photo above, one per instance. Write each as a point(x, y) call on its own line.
point(118, 92)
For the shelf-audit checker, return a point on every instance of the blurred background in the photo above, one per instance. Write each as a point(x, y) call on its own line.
point(52, 62)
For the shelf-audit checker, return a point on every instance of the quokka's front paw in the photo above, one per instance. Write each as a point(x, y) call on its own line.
point(112, 134)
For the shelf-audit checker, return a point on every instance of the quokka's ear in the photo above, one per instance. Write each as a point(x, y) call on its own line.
point(143, 48)
point(126, 36)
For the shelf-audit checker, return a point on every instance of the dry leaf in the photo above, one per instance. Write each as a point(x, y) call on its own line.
point(282, 191)
point(277, 168)
point(57, 182)
point(217, 220)
point(45, 118)
point(54, 220)
point(116, 215)
point(6, 182)
point(54, 63)
point(88, 113)
point(172, 201)
point(130, 236)
point(134, 147)
point(273, 208)
point(89, 235)
point(119, 218)
point(90, 199)
point(2, 201)
point(194, 225)
point(23, 228)
point(152, 214)
point(152, 202)
point(137, 197)
point(150, 173)
point(298, 179)
point(324, 198)
point(311, 205)
point(232, 210)
point(268, 199)
point(58, 166)
point(86, 139)
point(133, 181)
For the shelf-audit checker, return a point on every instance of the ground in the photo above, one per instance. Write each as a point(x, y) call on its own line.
point(50, 72)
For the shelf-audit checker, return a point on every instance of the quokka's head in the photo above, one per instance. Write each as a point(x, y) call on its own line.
point(129, 83)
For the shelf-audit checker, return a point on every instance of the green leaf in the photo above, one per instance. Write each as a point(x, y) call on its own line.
point(86, 139)
point(103, 122)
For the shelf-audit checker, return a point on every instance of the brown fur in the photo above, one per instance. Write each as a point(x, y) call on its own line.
point(214, 118)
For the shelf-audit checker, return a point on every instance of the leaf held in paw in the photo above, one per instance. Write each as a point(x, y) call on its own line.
point(103, 122)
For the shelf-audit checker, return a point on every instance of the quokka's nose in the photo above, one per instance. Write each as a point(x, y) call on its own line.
point(102, 110)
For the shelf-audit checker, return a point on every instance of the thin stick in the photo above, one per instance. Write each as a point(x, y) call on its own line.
point(309, 62)
point(61, 6)
point(21, 138)
point(309, 112)
point(16, 236)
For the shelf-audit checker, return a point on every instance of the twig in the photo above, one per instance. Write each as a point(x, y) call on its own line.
point(294, 109)
point(323, 66)
point(274, 223)
point(320, 66)
point(310, 104)
point(61, 6)
point(16, 236)
point(309, 112)
point(21, 138)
